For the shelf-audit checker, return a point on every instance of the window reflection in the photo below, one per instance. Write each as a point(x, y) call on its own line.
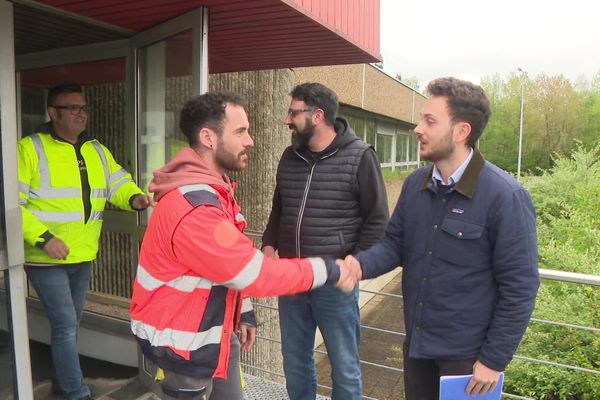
point(165, 85)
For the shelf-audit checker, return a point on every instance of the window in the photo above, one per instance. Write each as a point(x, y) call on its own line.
point(402, 140)
point(413, 147)
point(384, 148)
point(166, 83)
point(371, 138)
point(359, 127)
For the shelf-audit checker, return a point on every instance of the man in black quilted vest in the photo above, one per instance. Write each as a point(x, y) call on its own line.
point(330, 200)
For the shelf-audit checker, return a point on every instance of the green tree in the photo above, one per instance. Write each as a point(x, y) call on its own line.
point(590, 91)
point(553, 120)
point(557, 114)
point(500, 140)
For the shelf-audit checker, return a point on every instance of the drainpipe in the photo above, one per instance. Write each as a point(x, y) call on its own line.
point(362, 92)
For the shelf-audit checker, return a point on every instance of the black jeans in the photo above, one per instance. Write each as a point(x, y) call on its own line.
point(422, 375)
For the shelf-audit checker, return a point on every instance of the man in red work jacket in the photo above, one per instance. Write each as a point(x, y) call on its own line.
point(197, 267)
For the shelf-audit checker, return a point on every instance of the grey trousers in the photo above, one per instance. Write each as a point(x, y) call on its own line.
point(215, 388)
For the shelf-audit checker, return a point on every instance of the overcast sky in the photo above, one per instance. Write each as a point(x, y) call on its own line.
point(470, 39)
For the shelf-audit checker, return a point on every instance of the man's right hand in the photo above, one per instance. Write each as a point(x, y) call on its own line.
point(56, 249)
point(350, 274)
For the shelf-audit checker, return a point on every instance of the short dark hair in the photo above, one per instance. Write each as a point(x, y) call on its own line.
point(62, 89)
point(467, 102)
point(318, 96)
point(206, 111)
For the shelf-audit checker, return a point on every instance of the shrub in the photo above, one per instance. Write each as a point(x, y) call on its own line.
point(567, 199)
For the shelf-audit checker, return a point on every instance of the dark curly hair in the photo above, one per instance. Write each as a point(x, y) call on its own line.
point(467, 102)
point(318, 96)
point(206, 111)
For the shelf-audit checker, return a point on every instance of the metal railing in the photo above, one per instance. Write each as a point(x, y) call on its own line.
point(546, 274)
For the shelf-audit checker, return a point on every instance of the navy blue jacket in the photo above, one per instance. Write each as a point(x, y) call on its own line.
point(470, 261)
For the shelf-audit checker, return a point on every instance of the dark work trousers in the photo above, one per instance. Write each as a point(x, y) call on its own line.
point(422, 375)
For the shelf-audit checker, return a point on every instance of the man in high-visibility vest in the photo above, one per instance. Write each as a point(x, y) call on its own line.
point(65, 180)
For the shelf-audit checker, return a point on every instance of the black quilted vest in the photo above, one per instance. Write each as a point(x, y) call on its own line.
point(320, 211)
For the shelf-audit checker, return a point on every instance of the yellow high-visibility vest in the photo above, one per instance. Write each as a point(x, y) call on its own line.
point(50, 194)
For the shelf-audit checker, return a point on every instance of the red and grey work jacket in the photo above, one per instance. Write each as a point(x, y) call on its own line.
point(195, 266)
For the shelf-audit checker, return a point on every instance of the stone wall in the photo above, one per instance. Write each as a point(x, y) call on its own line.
point(268, 98)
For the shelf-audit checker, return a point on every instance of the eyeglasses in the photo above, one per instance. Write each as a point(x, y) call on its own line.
point(292, 112)
point(74, 109)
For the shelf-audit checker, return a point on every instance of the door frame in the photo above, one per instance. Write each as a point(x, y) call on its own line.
point(12, 258)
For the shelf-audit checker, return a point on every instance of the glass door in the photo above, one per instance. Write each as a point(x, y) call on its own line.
point(171, 60)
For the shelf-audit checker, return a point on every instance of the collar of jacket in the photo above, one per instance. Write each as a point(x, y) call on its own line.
point(344, 135)
point(48, 128)
point(468, 182)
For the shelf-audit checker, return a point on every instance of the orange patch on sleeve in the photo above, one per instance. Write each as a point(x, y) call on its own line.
point(226, 234)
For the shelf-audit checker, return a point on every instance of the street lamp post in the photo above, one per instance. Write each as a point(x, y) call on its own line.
point(523, 74)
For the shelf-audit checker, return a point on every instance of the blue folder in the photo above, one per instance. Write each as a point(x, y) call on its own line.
point(452, 387)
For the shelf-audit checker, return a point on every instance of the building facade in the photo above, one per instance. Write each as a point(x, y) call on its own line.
point(139, 62)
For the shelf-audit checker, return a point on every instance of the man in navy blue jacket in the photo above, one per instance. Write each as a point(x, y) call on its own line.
point(464, 232)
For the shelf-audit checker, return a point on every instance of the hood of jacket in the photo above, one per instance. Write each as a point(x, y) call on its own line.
point(344, 136)
point(186, 168)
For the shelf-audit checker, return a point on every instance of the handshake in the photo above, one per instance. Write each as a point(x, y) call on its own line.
point(350, 273)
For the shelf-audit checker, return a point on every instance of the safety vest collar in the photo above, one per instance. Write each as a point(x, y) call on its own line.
point(47, 127)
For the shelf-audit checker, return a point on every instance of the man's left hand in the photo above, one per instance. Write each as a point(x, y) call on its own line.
point(484, 380)
point(142, 201)
point(247, 336)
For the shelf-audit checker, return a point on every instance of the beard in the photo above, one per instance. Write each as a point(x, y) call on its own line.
point(301, 138)
point(229, 161)
point(444, 149)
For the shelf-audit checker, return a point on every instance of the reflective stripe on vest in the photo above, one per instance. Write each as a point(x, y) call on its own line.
point(185, 283)
point(103, 160)
point(201, 186)
point(23, 188)
point(110, 178)
point(247, 305)
point(113, 190)
point(65, 216)
point(57, 216)
point(99, 193)
point(42, 161)
point(176, 339)
point(248, 274)
point(54, 193)
point(115, 176)
point(319, 272)
point(96, 215)
point(46, 191)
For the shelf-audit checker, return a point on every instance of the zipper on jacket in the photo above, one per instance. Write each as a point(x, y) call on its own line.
point(302, 206)
point(305, 196)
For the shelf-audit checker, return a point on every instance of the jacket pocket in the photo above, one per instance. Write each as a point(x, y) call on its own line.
point(462, 230)
point(342, 241)
point(463, 244)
